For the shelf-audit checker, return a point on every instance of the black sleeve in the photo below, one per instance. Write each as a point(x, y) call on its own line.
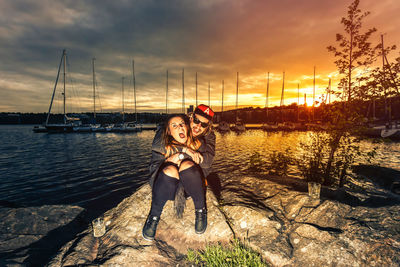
point(157, 144)
point(157, 155)
point(208, 150)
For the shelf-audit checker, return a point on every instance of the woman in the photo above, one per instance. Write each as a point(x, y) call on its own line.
point(169, 167)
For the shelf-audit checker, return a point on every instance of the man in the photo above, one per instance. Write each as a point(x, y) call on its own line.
point(201, 126)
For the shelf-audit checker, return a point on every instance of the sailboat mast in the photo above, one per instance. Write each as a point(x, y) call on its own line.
point(123, 106)
point(387, 108)
point(196, 88)
point(134, 87)
point(183, 91)
point(298, 101)
point(222, 109)
point(313, 104)
point(282, 96)
point(237, 90)
point(166, 97)
point(94, 90)
point(55, 86)
point(298, 94)
point(329, 91)
point(209, 95)
point(266, 97)
point(65, 56)
point(237, 93)
point(389, 69)
point(283, 89)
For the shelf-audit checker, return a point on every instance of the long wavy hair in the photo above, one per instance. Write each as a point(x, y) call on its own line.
point(171, 145)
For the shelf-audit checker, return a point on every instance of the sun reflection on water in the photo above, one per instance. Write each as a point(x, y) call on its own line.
point(233, 151)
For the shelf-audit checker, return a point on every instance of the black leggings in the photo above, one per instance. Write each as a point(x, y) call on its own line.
point(192, 182)
point(164, 189)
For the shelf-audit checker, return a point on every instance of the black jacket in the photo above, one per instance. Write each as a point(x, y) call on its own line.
point(207, 150)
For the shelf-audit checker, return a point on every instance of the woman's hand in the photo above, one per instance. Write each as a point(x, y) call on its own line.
point(174, 159)
point(196, 156)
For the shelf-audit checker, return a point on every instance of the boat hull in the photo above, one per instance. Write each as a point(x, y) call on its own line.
point(60, 128)
point(391, 133)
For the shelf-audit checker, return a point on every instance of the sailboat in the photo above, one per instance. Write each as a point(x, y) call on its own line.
point(95, 127)
point(86, 128)
point(284, 126)
point(223, 126)
point(132, 126)
point(68, 122)
point(393, 133)
point(389, 129)
point(239, 125)
point(266, 126)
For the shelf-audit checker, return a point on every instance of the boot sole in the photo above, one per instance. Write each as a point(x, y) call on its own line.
point(202, 232)
point(147, 237)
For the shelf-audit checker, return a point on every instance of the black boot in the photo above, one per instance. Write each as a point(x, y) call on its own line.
point(200, 225)
point(150, 227)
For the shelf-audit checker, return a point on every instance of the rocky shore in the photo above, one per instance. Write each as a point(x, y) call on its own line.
point(359, 226)
point(274, 216)
point(28, 235)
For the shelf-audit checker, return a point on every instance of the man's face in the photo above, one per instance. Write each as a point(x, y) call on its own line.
point(198, 124)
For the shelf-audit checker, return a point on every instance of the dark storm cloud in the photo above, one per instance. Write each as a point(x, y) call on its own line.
point(215, 38)
point(114, 32)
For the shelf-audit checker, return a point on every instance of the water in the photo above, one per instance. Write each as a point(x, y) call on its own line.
point(81, 169)
point(98, 170)
point(234, 151)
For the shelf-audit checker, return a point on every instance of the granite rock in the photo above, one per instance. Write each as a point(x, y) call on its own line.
point(28, 234)
point(123, 244)
point(272, 215)
point(289, 228)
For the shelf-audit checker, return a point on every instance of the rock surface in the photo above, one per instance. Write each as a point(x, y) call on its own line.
point(25, 233)
point(386, 178)
point(290, 229)
point(273, 215)
point(123, 244)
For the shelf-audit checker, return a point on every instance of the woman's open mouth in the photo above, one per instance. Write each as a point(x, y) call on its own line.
point(182, 135)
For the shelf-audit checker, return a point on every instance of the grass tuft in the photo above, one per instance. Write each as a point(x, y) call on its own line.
point(236, 254)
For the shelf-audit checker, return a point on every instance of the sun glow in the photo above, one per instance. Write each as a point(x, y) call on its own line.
point(309, 102)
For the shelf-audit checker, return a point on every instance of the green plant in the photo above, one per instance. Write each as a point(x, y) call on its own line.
point(328, 156)
point(236, 254)
point(279, 162)
point(314, 153)
point(354, 49)
point(256, 163)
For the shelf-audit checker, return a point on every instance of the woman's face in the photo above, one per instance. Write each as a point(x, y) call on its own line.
point(177, 129)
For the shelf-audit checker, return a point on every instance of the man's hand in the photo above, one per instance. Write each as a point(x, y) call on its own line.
point(196, 156)
point(174, 159)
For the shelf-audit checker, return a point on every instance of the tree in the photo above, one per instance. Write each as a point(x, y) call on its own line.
point(354, 50)
point(382, 81)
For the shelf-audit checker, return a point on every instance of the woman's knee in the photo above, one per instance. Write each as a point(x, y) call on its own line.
point(171, 171)
point(186, 165)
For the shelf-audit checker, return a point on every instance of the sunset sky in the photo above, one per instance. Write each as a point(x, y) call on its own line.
point(216, 38)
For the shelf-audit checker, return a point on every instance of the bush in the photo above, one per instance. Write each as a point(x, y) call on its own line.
point(311, 163)
point(277, 163)
point(256, 163)
point(328, 156)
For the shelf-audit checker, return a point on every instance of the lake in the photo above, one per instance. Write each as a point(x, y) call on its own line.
point(98, 170)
